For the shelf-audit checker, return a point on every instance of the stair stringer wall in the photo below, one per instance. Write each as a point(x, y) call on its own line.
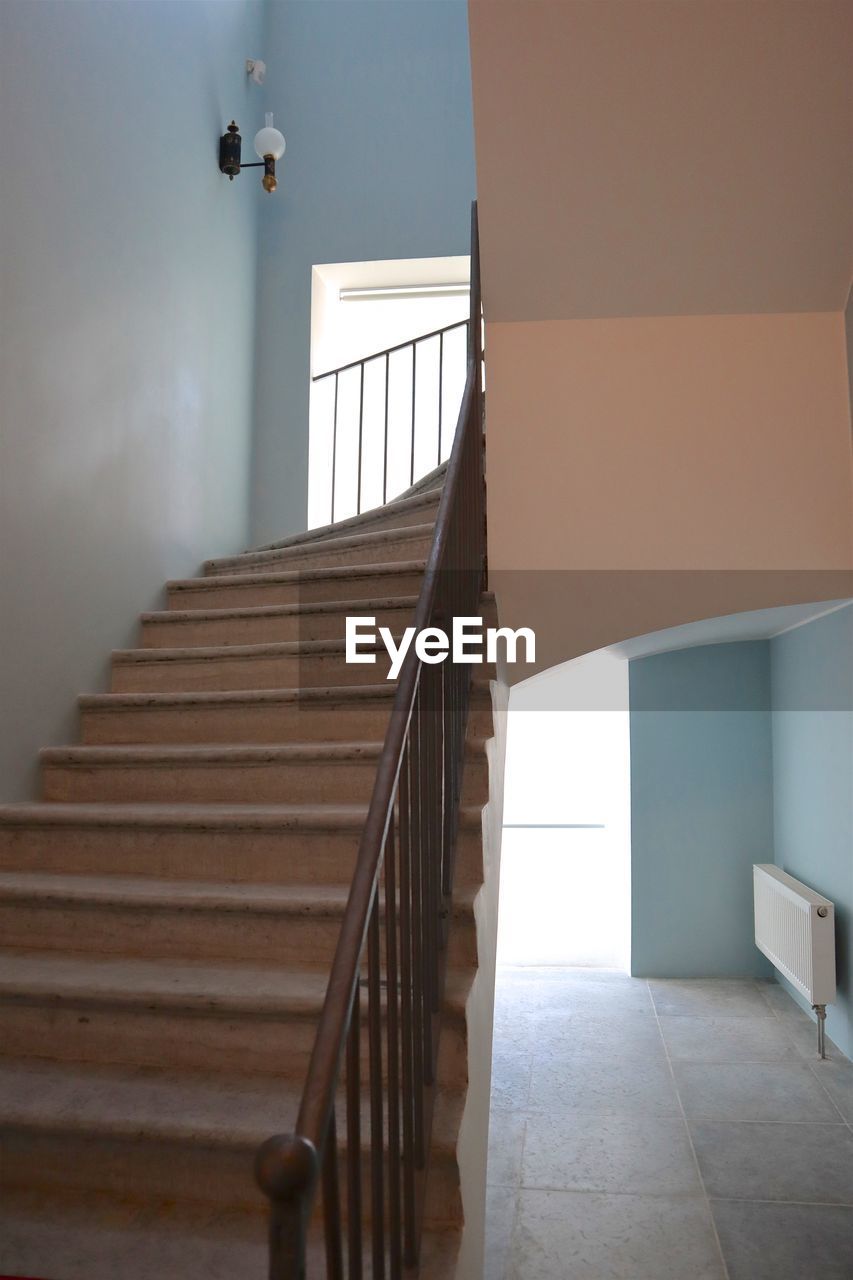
point(474, 1129)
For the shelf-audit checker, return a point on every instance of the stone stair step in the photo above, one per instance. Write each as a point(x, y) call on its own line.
point(199, 920)
point(289, 665)
point(270, 624)
point(296, 586)
point(217, 1019)
point(185, 1138)
point(383, 547)
point(238, 716)
point(97, 1236)
point(312, 773)
point(239, 844)
point(289, 773)
point(417, 508)
point(338, 713)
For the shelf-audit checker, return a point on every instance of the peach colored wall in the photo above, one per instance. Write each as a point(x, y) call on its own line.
point(685, 444)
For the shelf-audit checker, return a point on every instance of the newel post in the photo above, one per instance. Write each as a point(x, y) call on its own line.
point(286, 1169)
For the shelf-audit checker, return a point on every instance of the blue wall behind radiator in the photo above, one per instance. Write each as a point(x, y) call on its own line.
point(812, 688)
point(374, 98)
point(701, 808)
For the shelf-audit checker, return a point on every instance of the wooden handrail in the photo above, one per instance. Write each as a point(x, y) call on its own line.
point(409, 837)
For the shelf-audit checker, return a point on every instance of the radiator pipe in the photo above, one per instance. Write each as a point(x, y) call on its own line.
point(820, 1010)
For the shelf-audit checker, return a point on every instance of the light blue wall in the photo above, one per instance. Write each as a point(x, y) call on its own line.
point(126, 327)
point(812, 684)
point(701, 808)
point(374, 98)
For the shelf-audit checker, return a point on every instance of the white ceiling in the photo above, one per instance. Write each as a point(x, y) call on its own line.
point(663, 157)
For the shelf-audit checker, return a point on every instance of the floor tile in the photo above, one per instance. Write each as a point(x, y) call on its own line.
point(500, 1216)
point(780, 1000)
point(695, 1039)
point(648, 1155)
point(711, 997)
point(802, 1036)
point(510, 1081)
point(759, 1161)
point(562, 1234)
point(752, 1091)
point(573, 1035)
point(836, 1076)
point(506, 1144)
point(634, 1086)
point(598, 1001)
point(513, 1032)
point(785, 1241)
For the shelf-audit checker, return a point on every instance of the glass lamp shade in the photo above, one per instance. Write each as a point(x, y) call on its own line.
point(268, 141)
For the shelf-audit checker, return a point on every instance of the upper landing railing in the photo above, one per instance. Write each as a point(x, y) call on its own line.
point(389, 413)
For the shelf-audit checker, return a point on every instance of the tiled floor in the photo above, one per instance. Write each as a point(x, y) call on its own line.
point(665, 1130)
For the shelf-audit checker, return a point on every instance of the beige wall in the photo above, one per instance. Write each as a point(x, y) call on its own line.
point(684, 444)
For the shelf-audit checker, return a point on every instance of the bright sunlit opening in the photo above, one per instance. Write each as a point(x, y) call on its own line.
point(565, 858)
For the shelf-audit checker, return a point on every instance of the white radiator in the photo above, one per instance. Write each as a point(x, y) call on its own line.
point(795, 928)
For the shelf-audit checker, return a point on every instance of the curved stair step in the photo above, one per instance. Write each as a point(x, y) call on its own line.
point(297, 586)
point(266, 624)
point(289, 665)
point(383, 547)
point(417, 508)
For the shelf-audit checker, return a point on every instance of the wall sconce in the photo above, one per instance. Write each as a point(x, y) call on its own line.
point(269, 145)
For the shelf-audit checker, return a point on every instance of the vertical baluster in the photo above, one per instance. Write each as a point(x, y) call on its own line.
point(334, 447)
point(432, 851)
point(354, 1198)
point(440, 390)
point(377, 1137)
point(442, 808)
point(407, 1013)
point(414, 384)
point(360, 433)
point(423, 869)
point(393, 994)
point(332, 1205)
point(419, 1074)
point(385, 455)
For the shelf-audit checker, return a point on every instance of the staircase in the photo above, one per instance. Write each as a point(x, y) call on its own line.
point(171, 908)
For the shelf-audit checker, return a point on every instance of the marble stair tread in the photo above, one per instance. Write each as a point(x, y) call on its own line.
point(344, 693)
point(272, 753)
point(146, 1104)
point(332, 695)
point(402, 506)
point(203, 816)
point(363, 606)
point(332, 573)
point(205, 987)
point(382, 541)
point(211, 653)
point(201, 987)
point(287, 899)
